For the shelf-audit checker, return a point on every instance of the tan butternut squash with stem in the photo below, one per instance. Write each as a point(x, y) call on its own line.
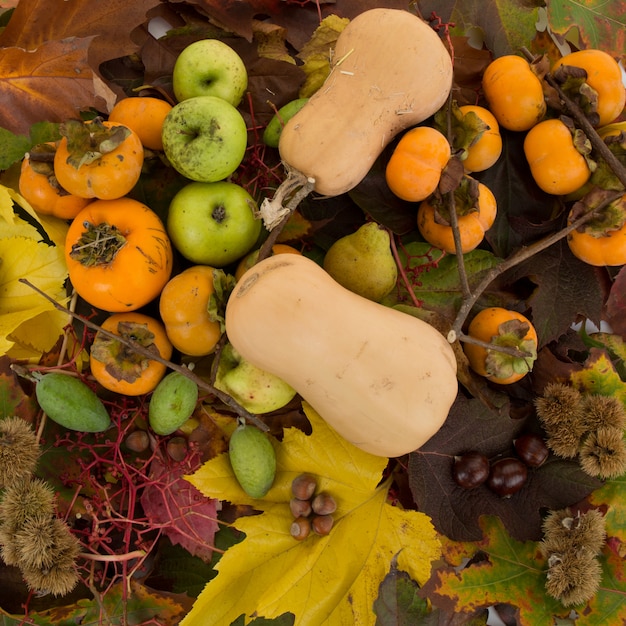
point(384, 380)
point(390, 71)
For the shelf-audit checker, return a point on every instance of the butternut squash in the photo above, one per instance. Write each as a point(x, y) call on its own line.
point(390, 71)
point(384, 380)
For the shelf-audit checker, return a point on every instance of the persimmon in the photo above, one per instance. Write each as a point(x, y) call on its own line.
point(118, 254)
point(514, 92)
point(606, 100)
point(476, 209)
point(98, 159)
point(145, 116)
point(184, 310)
point(602, 240)
point(39, 186)
point(416, 164)
point(250, 259)
point(554, 152)
point(502, 328)
point(121, 369)
point(486, 148)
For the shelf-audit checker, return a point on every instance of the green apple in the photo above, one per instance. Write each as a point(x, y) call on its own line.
point(256, 390)
point(209, 67)
point(204, 138)
point(213, 224)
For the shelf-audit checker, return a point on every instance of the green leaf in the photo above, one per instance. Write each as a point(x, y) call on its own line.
point(612, 496)
point(12, 148)
point(513, 572)
point(599, 376)
point(398, 602)
point(597, 23)
point(435, 277)
point(506, 25)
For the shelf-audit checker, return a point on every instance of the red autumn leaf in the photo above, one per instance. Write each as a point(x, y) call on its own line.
point(186, 516)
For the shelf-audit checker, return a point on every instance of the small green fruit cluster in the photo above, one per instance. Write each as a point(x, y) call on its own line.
point(312, 511)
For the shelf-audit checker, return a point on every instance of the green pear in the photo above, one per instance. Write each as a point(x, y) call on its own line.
point(254, 389)
point(362, 262)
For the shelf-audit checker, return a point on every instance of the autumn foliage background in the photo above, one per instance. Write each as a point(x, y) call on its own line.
point(414, 547)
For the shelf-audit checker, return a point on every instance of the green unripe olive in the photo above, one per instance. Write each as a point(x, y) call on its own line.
point(272, 131)
point(253, 460)
point(71, 403)
point(172, 403)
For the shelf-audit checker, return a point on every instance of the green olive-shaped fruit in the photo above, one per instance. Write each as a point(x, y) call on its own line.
point(172, 403)
point(71, 403)
point(253, 460)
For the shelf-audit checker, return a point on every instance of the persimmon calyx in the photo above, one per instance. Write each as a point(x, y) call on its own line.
point(87, 142)
point(605, 220)
point(466, 196)
point(465, 130)
point(573, 82)
point(223, 284)
point(511, 334)
point(98, 245)
point(120, 360)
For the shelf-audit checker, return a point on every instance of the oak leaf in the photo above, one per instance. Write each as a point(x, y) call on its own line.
point(332, 579)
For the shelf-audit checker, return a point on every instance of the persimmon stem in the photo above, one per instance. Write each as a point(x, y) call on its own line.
point(133, 345)
point(518, 257)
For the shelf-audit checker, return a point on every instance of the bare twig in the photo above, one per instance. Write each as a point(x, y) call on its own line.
point(144, 352)
point(515, 259)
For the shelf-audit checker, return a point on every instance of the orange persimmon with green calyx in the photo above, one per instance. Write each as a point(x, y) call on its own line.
point(414, 169)
point(485, 147)
point(514, 92)
point(40, 188)
point(185, 309)
point(599, 89)
point(251, 258)
point(121, 369)
point(506, 329)
point(557, 154)
point(98, 159)
point(118, 254)
point(476, 210)
point(145, 116)
point(601, 241)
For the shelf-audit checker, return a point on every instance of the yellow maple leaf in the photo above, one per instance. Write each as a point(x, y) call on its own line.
point(20, 306)
point(328, 580)
point(29, 324)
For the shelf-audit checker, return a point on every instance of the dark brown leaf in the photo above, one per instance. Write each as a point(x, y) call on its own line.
point(456, 511)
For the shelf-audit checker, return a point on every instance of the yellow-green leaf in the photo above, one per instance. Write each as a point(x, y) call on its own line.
point(316, 53)
point(331, 580)
point(44, 266)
